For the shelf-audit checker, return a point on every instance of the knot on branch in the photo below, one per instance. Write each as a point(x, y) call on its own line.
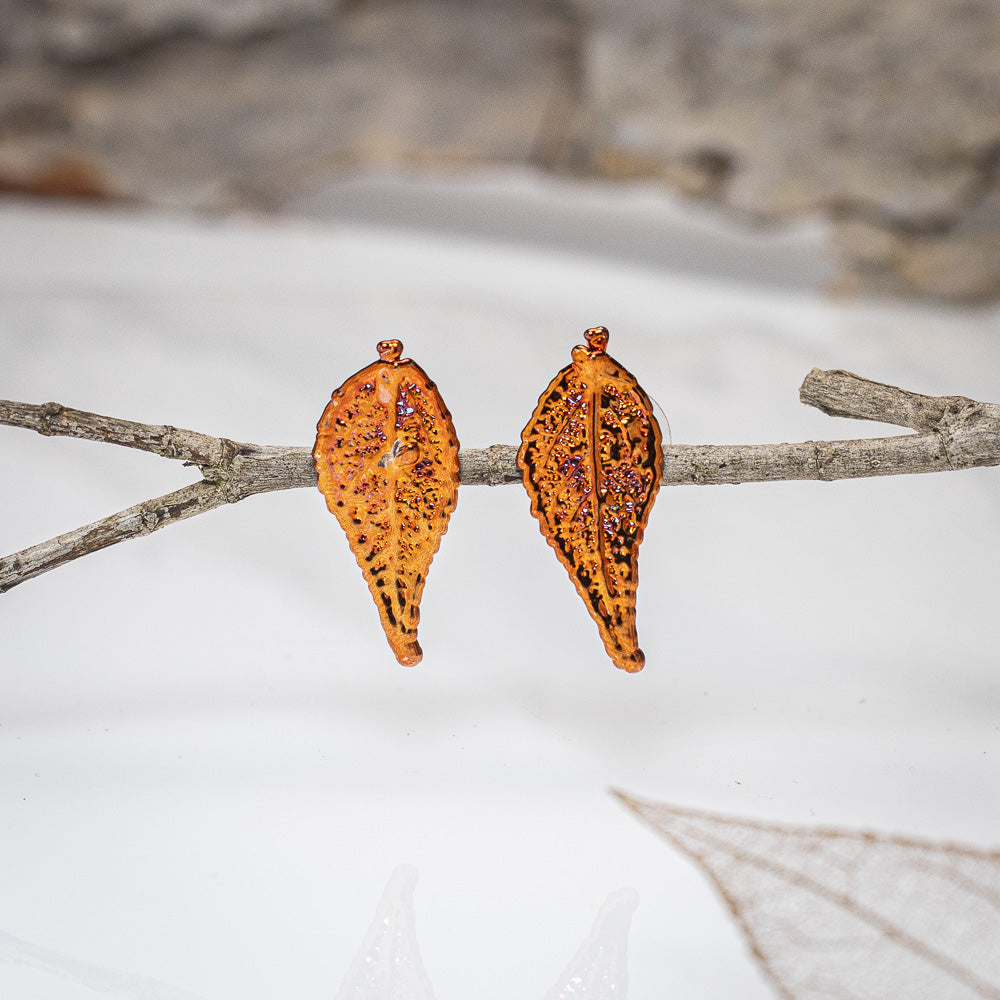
point(945, 413)
point(149, 521)
point(240, 473)
point(50, 414)
point(960, 410)
point(170, 445)
point(965, 426)
point(235, 490)
point(223, 464)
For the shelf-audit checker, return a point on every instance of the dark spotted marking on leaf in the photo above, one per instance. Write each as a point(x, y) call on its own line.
point(386, 457)
point(592, 462)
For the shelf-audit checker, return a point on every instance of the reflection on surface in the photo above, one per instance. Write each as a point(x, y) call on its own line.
point(388, 964)
point(107, 982)
point(599, 969)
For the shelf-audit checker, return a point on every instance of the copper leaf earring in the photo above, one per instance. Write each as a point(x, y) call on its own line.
point(386, 455)
point(592, 462)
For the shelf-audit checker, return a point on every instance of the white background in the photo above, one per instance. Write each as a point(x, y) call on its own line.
point(210, 762)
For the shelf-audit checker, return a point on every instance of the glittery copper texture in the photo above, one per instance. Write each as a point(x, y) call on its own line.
point(592, 462)
point(386, 455)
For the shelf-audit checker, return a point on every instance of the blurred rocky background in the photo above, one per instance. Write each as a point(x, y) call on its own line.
point(883, 117)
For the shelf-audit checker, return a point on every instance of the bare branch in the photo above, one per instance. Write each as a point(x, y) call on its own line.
point(843, 394)
point(953, 432)
point(135, 522)
point(52, 419)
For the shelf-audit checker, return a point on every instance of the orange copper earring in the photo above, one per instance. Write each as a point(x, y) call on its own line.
point(592, 462)
point(386, 455)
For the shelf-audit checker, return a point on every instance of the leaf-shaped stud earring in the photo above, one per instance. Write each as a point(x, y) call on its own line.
point(386, 456)
point(592, 461)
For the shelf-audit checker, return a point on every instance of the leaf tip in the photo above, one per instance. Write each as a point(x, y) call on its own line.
point(408, 652)
point(631, 662)
point(624, 798)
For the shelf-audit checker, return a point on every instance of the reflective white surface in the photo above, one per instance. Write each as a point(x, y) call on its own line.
point(210, 762)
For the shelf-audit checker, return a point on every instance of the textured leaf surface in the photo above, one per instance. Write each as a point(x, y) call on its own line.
point(592, 462)
point(838, 915)
point(386, 456)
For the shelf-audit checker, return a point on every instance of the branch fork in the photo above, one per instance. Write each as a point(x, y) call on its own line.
point(951, 432)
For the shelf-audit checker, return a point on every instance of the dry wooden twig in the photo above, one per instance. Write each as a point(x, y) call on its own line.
point(952, 432)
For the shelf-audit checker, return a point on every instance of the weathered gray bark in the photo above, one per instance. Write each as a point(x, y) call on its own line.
point(952, 432)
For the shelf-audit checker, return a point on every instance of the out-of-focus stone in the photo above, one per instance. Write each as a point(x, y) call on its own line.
point(961, 263)
point(80, 30)
point(199, 122)
point(884, 115)
point(37, 153)
point(889, 107)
